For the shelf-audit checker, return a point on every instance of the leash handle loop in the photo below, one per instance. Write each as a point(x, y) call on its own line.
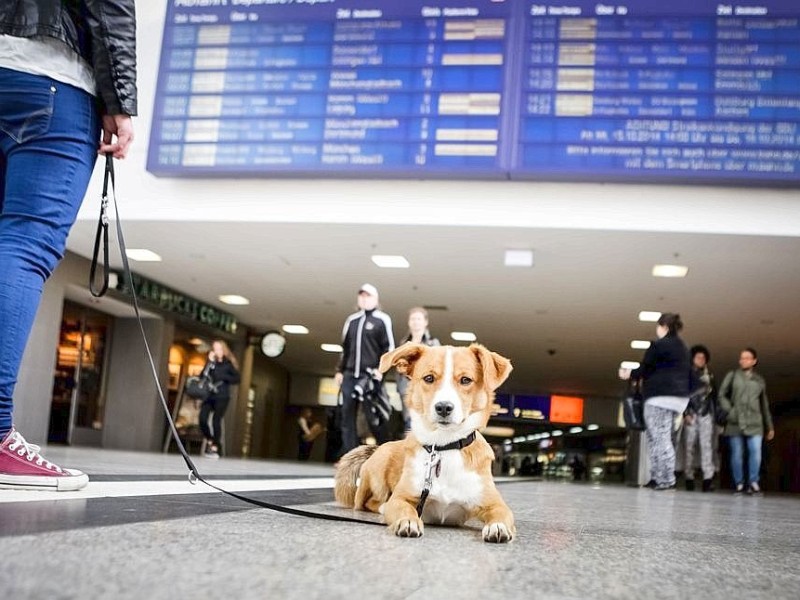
point(102, 234)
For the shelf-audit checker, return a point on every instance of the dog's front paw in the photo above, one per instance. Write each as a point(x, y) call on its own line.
point(497, 533)
point(407, 528)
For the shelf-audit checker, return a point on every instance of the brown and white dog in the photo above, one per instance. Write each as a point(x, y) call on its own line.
point(441, 472)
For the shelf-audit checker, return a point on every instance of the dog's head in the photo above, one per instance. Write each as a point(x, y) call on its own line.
point(451, 388)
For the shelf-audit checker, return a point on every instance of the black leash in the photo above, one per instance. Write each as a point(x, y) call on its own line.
point(102, 233)
point(194, 474)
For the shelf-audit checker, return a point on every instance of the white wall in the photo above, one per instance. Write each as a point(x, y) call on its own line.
point(493, 204)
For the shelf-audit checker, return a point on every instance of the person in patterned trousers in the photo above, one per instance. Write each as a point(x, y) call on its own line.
point(698, 420)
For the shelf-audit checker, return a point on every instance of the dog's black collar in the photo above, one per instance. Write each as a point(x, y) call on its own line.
point(457, 445)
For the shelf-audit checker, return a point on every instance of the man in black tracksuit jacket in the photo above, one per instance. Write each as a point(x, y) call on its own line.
point(366, 336)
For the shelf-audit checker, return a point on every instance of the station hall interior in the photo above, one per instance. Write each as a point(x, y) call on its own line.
point(565, 312)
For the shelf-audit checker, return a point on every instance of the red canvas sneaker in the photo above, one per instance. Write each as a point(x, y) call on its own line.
point(23, 468)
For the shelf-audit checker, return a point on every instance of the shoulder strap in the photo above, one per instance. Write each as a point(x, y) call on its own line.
point(729, 393)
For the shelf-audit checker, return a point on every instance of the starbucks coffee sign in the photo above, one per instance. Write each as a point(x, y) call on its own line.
point(174, 302)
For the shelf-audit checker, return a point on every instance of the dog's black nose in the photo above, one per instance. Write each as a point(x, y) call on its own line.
point(443, 409)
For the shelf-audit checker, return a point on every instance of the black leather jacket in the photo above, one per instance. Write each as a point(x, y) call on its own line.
point(666, 369)
point(223, 375)
point(103, 32)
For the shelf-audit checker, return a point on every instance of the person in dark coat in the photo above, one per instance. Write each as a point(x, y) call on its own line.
point(223, 370)
point(666, 375)
point(366, 336)
point(698, 420)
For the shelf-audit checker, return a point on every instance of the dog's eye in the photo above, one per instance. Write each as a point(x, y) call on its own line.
point(465, 381)
point(429, 379)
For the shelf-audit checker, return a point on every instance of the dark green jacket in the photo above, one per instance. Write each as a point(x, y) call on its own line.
point(745, 400)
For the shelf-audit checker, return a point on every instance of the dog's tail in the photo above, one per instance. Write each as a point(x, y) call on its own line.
point(347, 472)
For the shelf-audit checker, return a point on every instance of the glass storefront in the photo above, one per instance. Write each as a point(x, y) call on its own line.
point(79, 381)
point(187, 357)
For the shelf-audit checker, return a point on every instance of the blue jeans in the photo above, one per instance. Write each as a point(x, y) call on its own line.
point(49, 135)
point(753, 457)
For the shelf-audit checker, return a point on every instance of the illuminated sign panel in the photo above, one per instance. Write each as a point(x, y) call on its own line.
point(333, 87)
point(502, 405)
point(679, 91)
point(536, 408)
point(566, 409)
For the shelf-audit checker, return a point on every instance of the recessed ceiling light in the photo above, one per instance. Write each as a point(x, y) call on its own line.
point(670, 271)
point(463, 336)
point(390, 261)
point(629, 364)
point(142, 255)
point(649, 316)
point(518, 258)
point(296, 329)
point(640, 344)
point(544, 435)
point(592, 427)
point(331, 347)
point(556, 433)
point(234, 299)
point(575, 429)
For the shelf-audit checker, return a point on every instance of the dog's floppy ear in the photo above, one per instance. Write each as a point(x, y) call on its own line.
point(403, 358)
point(496, 368)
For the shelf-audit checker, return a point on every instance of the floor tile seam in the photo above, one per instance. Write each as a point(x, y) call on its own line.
point(212, 477)
point(706, 538)
point(175, 510)
point(128, 489)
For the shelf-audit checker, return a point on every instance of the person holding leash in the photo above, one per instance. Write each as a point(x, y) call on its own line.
point(67, 92)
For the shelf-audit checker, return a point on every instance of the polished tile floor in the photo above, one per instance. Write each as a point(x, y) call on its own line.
point(141, 530)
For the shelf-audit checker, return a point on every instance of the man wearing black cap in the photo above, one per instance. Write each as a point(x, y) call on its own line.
point(366, 336)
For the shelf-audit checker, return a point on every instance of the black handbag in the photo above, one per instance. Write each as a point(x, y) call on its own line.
point(375, 400)
point(633, 408)
point(633, 412)
point(198, 388)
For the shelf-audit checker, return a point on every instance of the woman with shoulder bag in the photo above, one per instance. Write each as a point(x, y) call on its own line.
point(223, 371)
point(666, 376)
point(743, 398)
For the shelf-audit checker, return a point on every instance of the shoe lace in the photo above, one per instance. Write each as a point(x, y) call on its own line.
point(21, 447)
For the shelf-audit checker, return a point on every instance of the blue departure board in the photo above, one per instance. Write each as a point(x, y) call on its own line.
point(684, 89)
point(679, 91)
point(336, 87)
